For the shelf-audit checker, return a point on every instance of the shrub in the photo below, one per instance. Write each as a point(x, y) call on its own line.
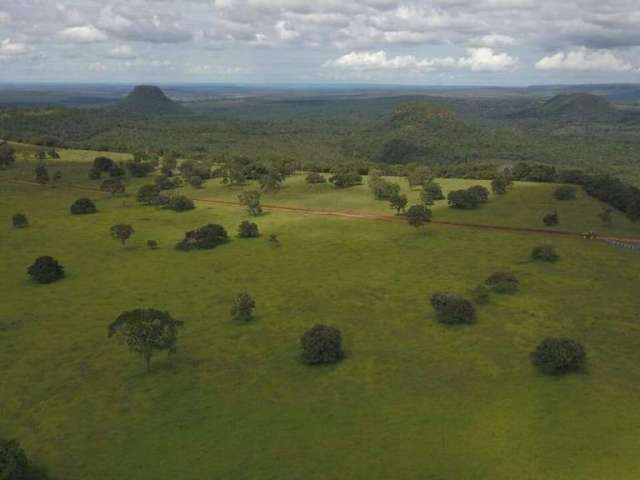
point(42, 174)
point(102, 164)
point(346, 179)
point(13, 461)
point(114, 186)
point(503, 282)
point(315, 178)
point(565, 192)
point(94, 174)
point(20, 220)
point(499, 185)
point(248, 230)
point(480, 192)
point(83, 206)
point(418, 215)
point(204, 238)
point(551, 219)
point(463, 199)
point(152, 244)
point(544, 253)
point(7, 156)
point(432, 191)
point(139, 168)
point(196, 181)
point(122, 232)
point(252, 200)
point(322, 344)
point(383, 189)
point(180, 203)
point(117, 171)
point(480, 295)
point(453, 309)
point(148, 194)
point(559, 355)
point(46, 270)
point(242, 309)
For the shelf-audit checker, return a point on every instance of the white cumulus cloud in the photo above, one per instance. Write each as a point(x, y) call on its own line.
point(83, 34)
point(123, 52)
point(11, 49)
point(485, 59)
point(584, 59)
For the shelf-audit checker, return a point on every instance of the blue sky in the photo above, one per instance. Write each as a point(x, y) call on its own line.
point(496, 42)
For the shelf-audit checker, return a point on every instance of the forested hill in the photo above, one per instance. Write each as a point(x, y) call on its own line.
point(149, 100)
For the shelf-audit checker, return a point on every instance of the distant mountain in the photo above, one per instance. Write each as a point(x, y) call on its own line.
point(574, 107)
point(149, 100)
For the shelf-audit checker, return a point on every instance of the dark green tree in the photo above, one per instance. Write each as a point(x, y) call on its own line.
point(14, 464)
point(544, 253)
point(453, 309)
point(7, 156)
point(46, 270)
point(83, 206)
point(418, 215)
point(499, 185)
point(114, 186)
point(252, 201)
point(196, 181)
point(42, 174)
point(146, 331)
point(322, 344)
point(148, 194)
point(180, 203)
point(315, 178)
point(20, 220)
point(551, 219)
point(565, 192)
point(122, 232)
point(559, 355)
point(204, 238)
point(398, 202)
point(242, 308)
point(248, 229)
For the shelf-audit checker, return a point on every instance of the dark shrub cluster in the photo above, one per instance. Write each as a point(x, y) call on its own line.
point(468, 199)
point(148, 194)
point(431, 191)
point(152, 244)
point(503, 282)
point(204, 238)
point(559, 355)
point(179, 203)
point(164, 182)
point(248, 230)
point(114, 186)
point(20, 220)
point(544, 253)
point(13, 461)
point(383, 189)
point(551, 219)
point(322, 344)
point(453, 309)
point(565, 192)
point(499, 185)
point(83, 206)
point(196, 181)
point(46, 270)
point(242, 309)
point(139, 168)
point(315, 178)
point(346, 179)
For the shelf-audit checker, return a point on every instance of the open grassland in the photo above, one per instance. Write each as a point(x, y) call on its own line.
point(413, 399)
point(67, 154)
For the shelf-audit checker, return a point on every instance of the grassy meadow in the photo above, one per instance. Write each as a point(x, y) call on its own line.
point(412, 399)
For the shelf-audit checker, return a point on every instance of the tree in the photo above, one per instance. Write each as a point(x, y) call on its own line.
point(431, 191)
point(152, 244)
point(196, 181)
point(114, 186)
point(418, 215)
point(480, 192)
point(83, 206)
point(180, 203)
point(204, 238)
point(453, 309)
point(116, 171)
point(503, 282)
point(606, 216)
point(565, 192)
point(271, 181)
point(398, 202)
point(7, 156)
point(146, 331)
point(252, 201)
point(242, 309)
point(544, 253)
point(122, 232)
point(322, 344)
point(42, 174)
point(345, 176)
point(20, 220)
point(170, 161)
point(559, 355)
point(315, 178)
point(148, 194)
point(418, 176)
point(139, 168)
point(248, 230)
point(463, 199)
point(14, 464)
point(551, 219)
point(46, 270)
point(164, 182)
point(499, 185)
point(381, 188)
point(103, 164)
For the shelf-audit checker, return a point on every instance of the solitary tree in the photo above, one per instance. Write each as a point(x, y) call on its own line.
point(42, 174)
point(418, 215)
point(114, 186)
point(122, 232)
point(83, 206)
point(431, 191)
point(204, 238)
point(242, 309)
point(559, 355)
point(398, 202)
point(148, 194)
point(499, 185)
point(248, 229)
point(146, 331)
point(544, 253)
point(551, 219)
point(20, 220)
point(13, 461)
point(7, 156)
point(46, 269)
point(252, 201)
point(453, 309)
point(322, 344)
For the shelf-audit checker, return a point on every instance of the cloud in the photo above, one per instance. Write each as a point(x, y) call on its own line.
point(123, 52)
point(10, 49)
point(494, 40)
point(484, 59)
point(83, 34)
point(137, 26)
point(97, 67)
point(584, 59)
point(4, 17)
point(477, 60)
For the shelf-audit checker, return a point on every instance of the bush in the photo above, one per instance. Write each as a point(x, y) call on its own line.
point(544, 253)
point(148, 194)
point(463, 199)
point(315, 178)
point(114, 186)
point(418, 215)
point(499, 185)
point(13, 461)
point(242, 309)
point(551, 219)
point(102, 164)
point(204, 238)
point(7, 156)
point(117, 171)
point(503, 282)
point(167, 183)
point(248, 230)
point(83, 206)
point(180, 203)
point(453, 309)
point(46, 270)
point(152, 244)
point(20, 220)
point(196, 181)
point(480, 192)
point(139, 168)
point(565, 192)
point(346, 179)
point(322, 344)
point(558, 355)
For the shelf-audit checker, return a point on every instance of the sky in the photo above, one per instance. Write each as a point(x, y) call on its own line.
point(428, 42)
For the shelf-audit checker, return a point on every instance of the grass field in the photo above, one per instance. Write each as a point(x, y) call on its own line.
point(413, 398)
